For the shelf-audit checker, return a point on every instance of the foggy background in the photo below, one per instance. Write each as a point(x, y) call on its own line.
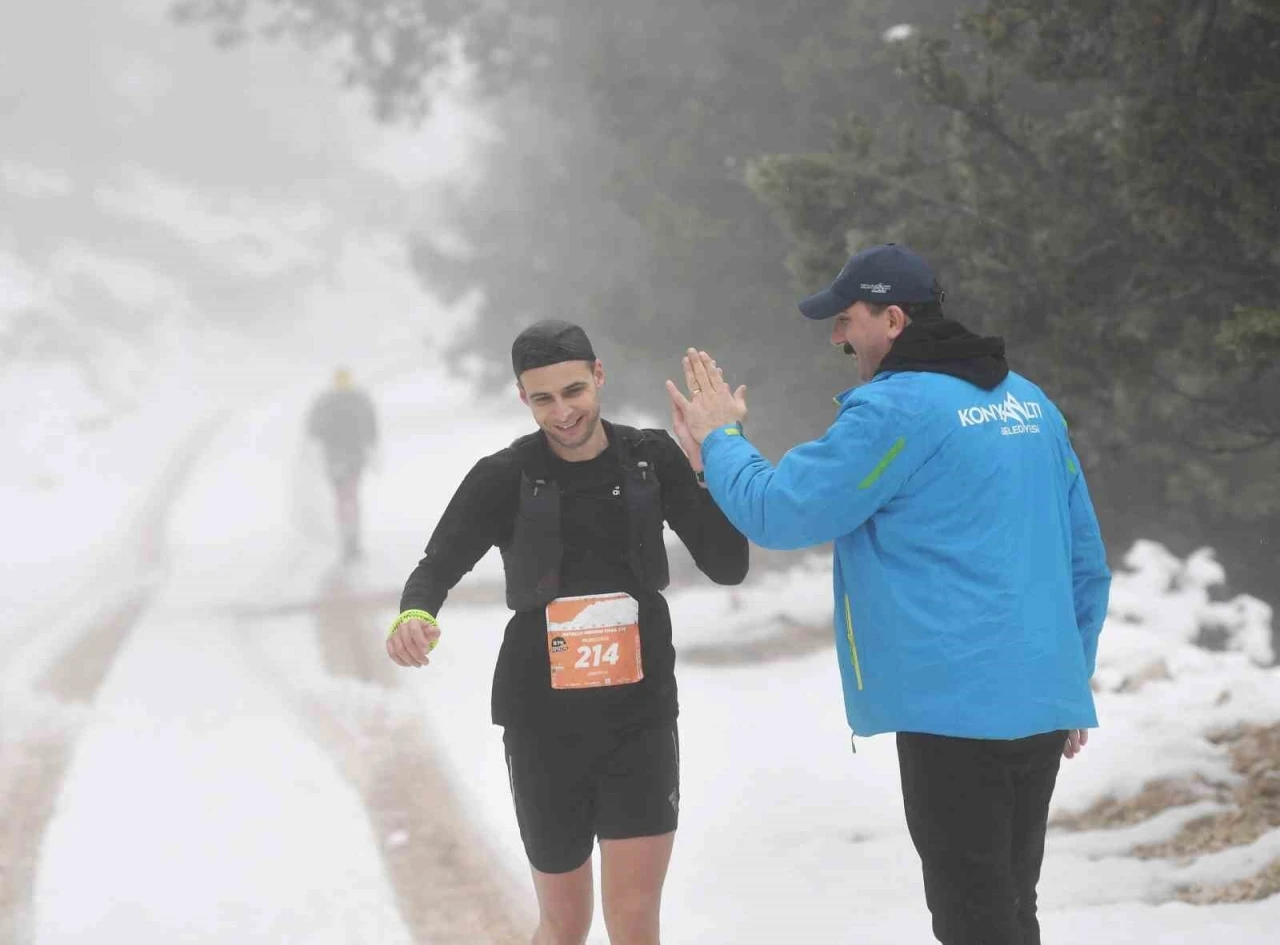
point(206, 206)
point(1099, 188)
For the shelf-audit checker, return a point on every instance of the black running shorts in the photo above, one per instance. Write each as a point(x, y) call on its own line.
point(570, 789)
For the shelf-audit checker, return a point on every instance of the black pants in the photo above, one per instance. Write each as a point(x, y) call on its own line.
point(977, 810)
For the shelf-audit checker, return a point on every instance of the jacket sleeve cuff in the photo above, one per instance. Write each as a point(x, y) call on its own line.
point(728, 431)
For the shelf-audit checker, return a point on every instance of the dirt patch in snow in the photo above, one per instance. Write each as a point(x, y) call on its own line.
point(1255, 800)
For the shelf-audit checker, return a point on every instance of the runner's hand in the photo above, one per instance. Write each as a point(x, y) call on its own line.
point(1077, 738)
point(411, 642)
point(687, 443)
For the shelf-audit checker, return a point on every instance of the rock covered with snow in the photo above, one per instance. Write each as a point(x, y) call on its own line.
point(1161, 609)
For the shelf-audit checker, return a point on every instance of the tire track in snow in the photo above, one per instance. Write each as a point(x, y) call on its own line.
point(39, 731)
point(446, 885)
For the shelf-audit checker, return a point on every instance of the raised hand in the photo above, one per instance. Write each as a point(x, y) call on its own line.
point(710, 403)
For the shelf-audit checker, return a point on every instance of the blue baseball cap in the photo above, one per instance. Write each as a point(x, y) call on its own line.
point(885, 275)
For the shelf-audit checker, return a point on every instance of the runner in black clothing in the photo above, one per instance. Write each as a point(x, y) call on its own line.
point(585, 684)
point(345, 423)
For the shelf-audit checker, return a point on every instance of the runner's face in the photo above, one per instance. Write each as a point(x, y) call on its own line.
point(565, 400)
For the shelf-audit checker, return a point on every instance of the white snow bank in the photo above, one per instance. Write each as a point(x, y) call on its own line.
point(1170, 600)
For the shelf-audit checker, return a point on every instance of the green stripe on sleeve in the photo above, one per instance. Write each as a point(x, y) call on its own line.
point(883, 464)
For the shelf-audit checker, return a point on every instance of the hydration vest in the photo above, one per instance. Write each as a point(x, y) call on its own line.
point(532, 557)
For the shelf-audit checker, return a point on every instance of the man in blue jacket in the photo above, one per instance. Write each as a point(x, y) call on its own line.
point(970, 576)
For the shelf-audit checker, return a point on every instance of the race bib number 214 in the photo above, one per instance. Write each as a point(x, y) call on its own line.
point(593, 641)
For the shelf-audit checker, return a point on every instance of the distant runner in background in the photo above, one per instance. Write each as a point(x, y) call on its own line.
point(345, 423)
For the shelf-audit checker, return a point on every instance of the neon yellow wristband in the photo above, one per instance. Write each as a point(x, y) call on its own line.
point(413, 615)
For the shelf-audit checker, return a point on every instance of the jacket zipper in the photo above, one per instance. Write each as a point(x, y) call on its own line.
point(853, 647)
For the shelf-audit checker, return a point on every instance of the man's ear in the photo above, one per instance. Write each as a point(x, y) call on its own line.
point(524, 398)
point(597, 371)
point(897, 320)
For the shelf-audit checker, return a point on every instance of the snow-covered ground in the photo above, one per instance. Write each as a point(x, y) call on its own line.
point(197, 802)
point(174, 740)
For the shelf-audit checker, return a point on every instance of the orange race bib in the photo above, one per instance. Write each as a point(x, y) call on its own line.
point(594, 640)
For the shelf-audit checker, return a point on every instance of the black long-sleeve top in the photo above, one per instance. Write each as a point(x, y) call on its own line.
point(594, 530)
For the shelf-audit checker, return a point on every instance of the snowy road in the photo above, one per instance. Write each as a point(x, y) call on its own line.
point(40, 732)
point(207, 744)
point(195, 766)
